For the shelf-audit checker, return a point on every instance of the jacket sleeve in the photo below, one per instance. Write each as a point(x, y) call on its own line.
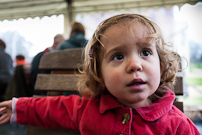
point(62, 112)
point(187, 127)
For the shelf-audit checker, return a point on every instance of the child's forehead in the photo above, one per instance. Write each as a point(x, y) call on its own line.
point(124, 36)
point(129, 23)
point(130, 28)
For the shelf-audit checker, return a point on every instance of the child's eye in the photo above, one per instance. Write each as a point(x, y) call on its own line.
point(118, 57)
point(145, 52)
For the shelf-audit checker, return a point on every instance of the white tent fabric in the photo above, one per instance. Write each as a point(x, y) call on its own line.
point(15, 9)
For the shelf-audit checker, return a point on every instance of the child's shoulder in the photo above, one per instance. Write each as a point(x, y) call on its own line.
point(175, 112)
point(185, 124)
point(177, 115)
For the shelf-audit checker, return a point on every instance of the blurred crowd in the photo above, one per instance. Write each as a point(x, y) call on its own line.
point(18, 77)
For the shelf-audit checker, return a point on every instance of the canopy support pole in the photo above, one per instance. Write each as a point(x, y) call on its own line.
point(69, 18)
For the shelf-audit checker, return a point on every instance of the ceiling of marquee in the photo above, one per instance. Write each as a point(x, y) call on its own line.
point(15, 9)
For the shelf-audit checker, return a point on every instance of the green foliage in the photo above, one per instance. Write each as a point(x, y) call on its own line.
point(193, 81)
point(197, 65)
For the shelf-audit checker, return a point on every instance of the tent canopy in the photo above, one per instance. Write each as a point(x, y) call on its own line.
point(15, 9)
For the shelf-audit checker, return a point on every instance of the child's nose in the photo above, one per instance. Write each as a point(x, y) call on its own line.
point(134, 66)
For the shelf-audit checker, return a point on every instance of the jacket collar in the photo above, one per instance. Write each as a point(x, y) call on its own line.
point(107, 102)
point(149, 113)
point(158, 108)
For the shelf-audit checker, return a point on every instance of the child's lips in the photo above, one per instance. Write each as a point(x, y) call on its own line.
point(136, 82)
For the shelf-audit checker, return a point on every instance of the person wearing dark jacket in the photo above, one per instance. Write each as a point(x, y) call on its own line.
point(6, 69)
point(77, 38)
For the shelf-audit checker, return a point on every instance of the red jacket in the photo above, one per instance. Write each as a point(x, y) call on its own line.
point(105, 116)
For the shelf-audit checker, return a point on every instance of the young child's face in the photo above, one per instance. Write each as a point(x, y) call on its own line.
point(130, 64)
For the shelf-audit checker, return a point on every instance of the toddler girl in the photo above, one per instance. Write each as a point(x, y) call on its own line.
point(125, 86)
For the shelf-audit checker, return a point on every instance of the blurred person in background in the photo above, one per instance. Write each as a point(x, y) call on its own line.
point(20, 60)
point(77, 38)
point(6, 69)
point(20, 83)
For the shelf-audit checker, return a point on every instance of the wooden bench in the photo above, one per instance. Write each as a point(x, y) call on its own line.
point(64, 67)
point(63, 78)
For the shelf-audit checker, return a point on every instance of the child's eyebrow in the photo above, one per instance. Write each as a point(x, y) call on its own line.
point(115, 49)
point(145, 44)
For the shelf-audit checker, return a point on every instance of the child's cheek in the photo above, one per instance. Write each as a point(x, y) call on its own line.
point(116, 77)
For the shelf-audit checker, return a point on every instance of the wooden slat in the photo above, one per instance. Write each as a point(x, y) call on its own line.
point(65, 72)
point(41, 131)
point(62, 60)
point(56, 82)
point(179, 105)
point(178, 86)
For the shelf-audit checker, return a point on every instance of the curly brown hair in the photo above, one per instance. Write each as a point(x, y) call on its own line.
point(91, 82)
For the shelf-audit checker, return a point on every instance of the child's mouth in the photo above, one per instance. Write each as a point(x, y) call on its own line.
point(137, 81)
point(135, 84)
